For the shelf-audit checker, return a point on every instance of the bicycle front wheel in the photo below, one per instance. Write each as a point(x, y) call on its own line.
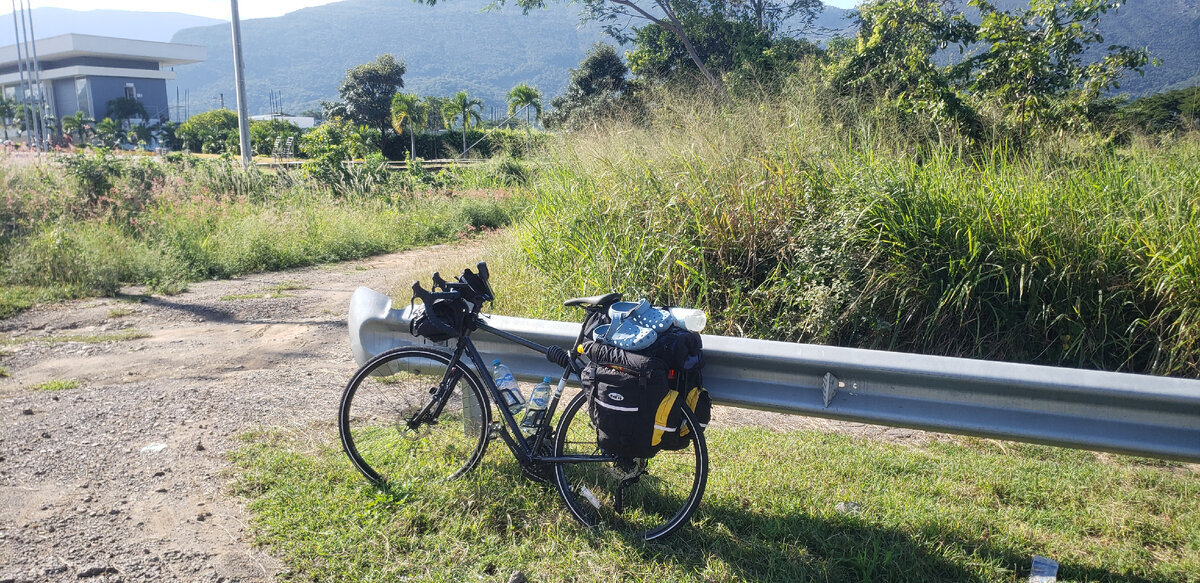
point(407, 417)
point(640, 498)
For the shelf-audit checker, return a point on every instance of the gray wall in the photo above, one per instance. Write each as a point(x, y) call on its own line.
point(153, 94)
point(66, 100)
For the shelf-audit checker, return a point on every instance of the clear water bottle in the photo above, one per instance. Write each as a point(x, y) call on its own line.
point(690, 319)
point(539, 400)
point(510, 391)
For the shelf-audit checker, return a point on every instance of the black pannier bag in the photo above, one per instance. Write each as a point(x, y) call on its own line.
point(684, 351)
point(624, 391)
point(632, 395)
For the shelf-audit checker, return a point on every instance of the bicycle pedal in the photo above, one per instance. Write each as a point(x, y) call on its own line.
point(494, 430)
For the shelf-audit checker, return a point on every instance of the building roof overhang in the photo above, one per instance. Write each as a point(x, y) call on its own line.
point(66, 46)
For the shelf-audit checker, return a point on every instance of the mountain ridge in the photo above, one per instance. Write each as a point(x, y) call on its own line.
point(153, 26)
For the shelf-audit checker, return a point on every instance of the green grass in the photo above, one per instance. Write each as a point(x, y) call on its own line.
point(119, 313)
point(796, 226)
point(968, 511)
point(286, 287)
point(4, 373)
point(121, 336)
point(163, 225)
point(57, 385)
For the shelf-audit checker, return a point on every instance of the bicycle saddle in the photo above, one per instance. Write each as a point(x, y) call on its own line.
point(603, 301)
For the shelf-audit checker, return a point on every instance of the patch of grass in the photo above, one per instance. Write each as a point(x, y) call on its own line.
point(4, 372)
point(287, 286)
point(946, 512)
point(121, 336)
point(119, 312)
point(57, 385)
point(245, 296)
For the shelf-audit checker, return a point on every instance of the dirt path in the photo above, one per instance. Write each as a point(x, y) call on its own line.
point(125, 477)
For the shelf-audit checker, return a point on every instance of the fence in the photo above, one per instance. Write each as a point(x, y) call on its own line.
point(1122, 413)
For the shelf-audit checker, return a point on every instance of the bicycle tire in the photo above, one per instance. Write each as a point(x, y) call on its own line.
point(661, 500)
point(383, 396)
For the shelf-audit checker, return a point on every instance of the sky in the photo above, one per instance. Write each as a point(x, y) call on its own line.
point(219, 8)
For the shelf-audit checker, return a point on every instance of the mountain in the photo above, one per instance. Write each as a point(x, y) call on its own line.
point(450, 47)
point(1171, 30)
point(456, 46)
point(155, 26)
point(447, 48)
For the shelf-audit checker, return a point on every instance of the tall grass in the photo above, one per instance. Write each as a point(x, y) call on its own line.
point(93, 223)
point(788, 220)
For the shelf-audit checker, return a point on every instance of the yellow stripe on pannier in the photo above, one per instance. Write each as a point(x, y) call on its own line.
point(660, 418)
point(692, 399)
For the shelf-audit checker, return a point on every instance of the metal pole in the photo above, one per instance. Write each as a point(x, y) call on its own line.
point(36, 76)
point(21, 71)
point(239, 79)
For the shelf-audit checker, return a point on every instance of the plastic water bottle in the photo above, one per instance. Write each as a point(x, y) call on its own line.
point(690, 319)
point(510, 391)
point(539, 400)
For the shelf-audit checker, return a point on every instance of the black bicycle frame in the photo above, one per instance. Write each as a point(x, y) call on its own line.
point(514, 438)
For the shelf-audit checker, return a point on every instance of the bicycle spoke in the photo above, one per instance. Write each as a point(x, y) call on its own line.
point(388, 423)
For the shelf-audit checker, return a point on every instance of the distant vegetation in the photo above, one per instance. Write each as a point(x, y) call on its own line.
point(90, 222)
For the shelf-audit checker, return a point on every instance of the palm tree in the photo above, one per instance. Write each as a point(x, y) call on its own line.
point(8, 109)
point(461, 106)
point(524, 96)
point(78, 124)
point(108, 132)
point(408, 111)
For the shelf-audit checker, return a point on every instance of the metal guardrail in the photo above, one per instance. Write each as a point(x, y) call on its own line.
point(1117, 412)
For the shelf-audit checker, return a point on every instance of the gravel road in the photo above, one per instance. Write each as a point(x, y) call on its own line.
point(125, 477)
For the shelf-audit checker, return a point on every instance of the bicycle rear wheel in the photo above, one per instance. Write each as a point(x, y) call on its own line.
point(647, 499)
point(399, 429)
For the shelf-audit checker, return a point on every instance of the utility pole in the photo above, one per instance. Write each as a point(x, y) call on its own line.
point(36, 79)
point(239, 79)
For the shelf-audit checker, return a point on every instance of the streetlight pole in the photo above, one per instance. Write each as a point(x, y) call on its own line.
point(239, 79)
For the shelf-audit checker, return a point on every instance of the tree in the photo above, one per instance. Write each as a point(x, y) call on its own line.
point(409, 112)
point(893, 59)
point(616, 16)
point(124, 109)
point(1034, 68)
point(434, 120)
point(211, 132)
point(366, 93)
point(720, 42)
point(767, 15)
point(525, 96)
point(597, 90)
point(264, 132)
point(465, 108)
point(108, 132)
point(78, 124)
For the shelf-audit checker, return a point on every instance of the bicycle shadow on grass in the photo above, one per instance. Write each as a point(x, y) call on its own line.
point(725, 539)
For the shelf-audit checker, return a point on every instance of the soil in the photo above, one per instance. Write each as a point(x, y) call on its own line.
point(126, 476)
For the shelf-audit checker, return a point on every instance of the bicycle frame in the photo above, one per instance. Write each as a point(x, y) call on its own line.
point(522, 447)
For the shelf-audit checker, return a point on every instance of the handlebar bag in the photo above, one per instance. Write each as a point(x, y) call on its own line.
point(439, 321)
